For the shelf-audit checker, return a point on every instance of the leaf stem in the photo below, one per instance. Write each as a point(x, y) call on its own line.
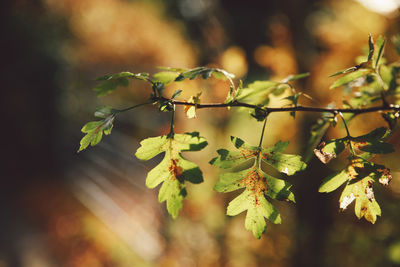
point(348, 134)
point(171, 131)
point(262, 132)
point(135, 106)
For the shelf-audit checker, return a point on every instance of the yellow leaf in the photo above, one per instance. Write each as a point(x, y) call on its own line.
point(191, 110)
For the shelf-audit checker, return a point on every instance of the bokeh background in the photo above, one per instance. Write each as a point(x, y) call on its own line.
point(60, 208)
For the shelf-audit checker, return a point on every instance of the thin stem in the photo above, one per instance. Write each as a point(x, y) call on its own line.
point(135, 106)
point(345, 124)
point(171, 131)
point(348, 134)
point(262, 132)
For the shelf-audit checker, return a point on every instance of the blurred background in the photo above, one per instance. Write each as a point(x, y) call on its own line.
point(60, 208)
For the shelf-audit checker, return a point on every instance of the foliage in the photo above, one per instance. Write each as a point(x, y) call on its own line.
point(257, 183)
point(173, 170)
point(369, 82)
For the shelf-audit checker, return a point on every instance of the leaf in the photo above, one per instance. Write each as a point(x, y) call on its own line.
point(391, 118)
point(373, 142)
point(94, 131)
point(258, 92)
point(190, 110)
point(258, 185)
point(205, 73)
point(111, 82)
point(295, 77)
point(349, 78)
point(173, 170)
point(325, 152)
point(104, 112)
point(285, 163)
point(362, 65)
point(333, 181)
point(257, 210)
point(176, 94)
point(380, 45)
point(165, 77)
point(318, 130)
point(359, 177)
point(371, 47)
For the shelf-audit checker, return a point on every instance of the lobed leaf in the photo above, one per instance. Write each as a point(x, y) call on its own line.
point(110, 82)
point(359, 177)
point(173, 170)
point(257, 208)
point(94, 131)
point(258, 185)
point(373, 142)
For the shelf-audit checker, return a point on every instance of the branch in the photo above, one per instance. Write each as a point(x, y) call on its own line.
point(390, 107)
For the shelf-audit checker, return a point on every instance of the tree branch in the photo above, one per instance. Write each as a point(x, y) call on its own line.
point(390, 107)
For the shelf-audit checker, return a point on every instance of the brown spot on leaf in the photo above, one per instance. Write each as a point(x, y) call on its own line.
point(359, 144)
point(255, 183)
point(174, 169)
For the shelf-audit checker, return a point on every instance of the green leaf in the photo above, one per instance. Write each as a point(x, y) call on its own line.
point(295, 77)
point(165, 77)
point(228, 159)
point(349, 78)
point(333, 181)
point(104, 112)
point(373, 142)
point(371, 47)
point(173, 170)
point(258, 185)
point(257, 208)
point(205, 73)
point(94, 131)
point(362, 65)
point(257, 92)
point(110, 82)
point(158, 88)
point(285, 163)
point(176, 94)
point(380, 45)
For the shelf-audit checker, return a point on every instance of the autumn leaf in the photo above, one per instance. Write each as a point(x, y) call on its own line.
point(190, 110)
point(359, 177)
point(373, 142)
point(256, 183)
point(174, 169)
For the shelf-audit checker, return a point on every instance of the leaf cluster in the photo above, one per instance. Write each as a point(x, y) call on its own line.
point(372, 80)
